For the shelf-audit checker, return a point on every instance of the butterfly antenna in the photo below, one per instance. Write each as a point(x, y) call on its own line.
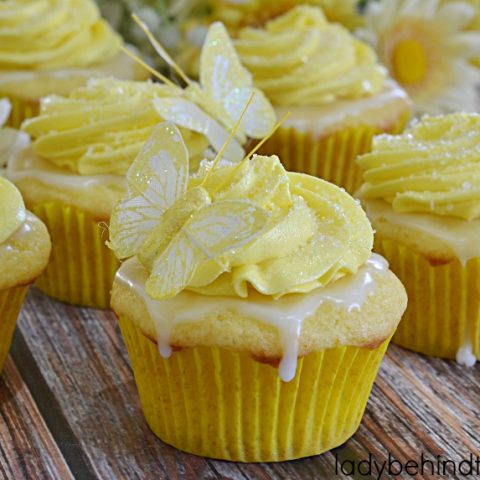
point(264, 139)
point(146, 66)
point(160, 50)
point(229, 139)
point(238, 166)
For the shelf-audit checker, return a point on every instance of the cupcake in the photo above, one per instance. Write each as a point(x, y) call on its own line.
point(254, 314)
point(71, 169)
point(24, 251)
point(47, 46)
point(337, 93)
point(73, 172)
point(421, 193)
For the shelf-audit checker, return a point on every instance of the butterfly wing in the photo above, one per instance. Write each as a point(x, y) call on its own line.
point(187, 114)
point(174, 268)
point(225, 225)
point(220, 68)
point(228, 83)
point(157, 178)
point(214, 230)
point(259, 118)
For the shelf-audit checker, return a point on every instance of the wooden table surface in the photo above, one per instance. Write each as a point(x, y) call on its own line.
point(69, 409)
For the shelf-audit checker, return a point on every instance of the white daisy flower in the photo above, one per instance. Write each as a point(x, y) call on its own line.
point(425, 46)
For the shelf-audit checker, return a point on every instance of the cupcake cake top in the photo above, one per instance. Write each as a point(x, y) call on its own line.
point(232, 230)
point(432, 168)
point(300, 58)
point(53, 34)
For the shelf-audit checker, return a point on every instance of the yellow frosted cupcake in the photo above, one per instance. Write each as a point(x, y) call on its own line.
point(70, 167)
point(332, 84)
point(422, 195)
point(51, 46)
point(24, 251)
point(73, 172)
point(254, 314)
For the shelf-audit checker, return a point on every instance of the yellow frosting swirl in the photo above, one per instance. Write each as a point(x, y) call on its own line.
point(12, 209)
point(433, 167)
point(316, 233)
point(100, 128)
point(301, 59)
point(231, 229)
point(51, 34)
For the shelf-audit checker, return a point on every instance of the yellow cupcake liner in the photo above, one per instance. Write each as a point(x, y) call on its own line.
point(81, 268)
point(330, 157)
point(21, 110)
point(222, 404)
point(443, 312)
point(11, 300)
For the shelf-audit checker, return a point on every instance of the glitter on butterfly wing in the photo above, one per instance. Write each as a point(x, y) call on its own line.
point(187, 114)
point(259, 117)
point(156, 179)
point(220, 67)
point(229, 84)
point(174, 268)
point(225, 225)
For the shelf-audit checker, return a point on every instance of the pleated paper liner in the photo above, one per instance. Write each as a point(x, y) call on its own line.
point(443, 311)
point(222, 404)
point(21, 110)
point(81, 268)
point(11, 300)
point(331, 157)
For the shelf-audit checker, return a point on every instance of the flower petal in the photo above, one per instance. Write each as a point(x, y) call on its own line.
point(455, 16)
point(466, 44)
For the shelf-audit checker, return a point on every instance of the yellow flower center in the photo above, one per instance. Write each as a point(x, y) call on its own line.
point(409, 61)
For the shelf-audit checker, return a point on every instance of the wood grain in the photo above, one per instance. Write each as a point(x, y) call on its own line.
point(81, 371)
point(422, 405)
point(27, 449)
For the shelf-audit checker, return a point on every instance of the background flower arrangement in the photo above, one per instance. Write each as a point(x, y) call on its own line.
point(174, 23)
point(430, 47)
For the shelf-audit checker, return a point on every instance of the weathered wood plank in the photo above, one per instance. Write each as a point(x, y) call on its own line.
point(27, 449)
point(418, 405)
point(80, 355)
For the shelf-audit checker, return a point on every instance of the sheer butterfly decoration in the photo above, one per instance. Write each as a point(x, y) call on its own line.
point(211, 106)
point(173, 229)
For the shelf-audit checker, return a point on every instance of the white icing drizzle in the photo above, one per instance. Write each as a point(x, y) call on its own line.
point(287, 313)
point(465, 355)
point(458, 234)
point(22, 162)
point(320, 117)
